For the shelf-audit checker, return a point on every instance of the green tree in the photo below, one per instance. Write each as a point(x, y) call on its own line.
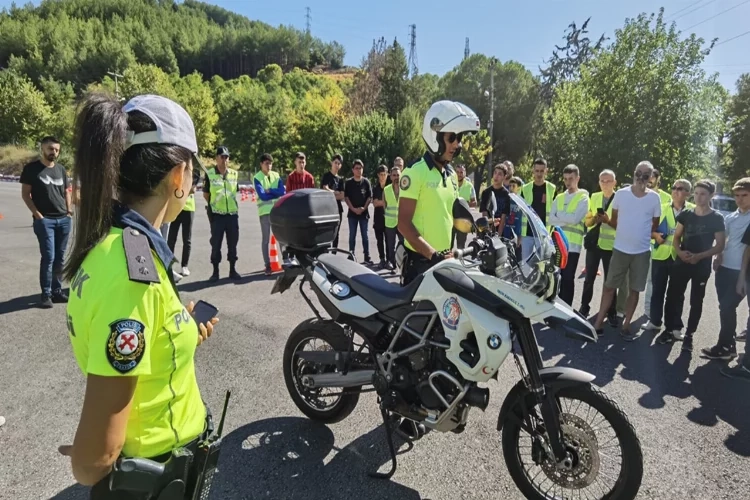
point(369, 138)
point(24, 113)
point(393, 80)
point(475, 151)
point(739, 132)
point(195, 96)
point(409, 144)
point(638, 99)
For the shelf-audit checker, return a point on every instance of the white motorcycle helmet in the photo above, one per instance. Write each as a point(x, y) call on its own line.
point(445, 117)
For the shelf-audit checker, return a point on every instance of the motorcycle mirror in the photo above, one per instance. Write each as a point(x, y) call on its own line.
point(463, 221)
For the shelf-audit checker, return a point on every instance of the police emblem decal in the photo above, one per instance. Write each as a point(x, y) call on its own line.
point(126, 344)
point(451, 313)
point(494, 341)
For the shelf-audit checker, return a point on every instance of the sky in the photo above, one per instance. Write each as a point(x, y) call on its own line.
point(522, 31)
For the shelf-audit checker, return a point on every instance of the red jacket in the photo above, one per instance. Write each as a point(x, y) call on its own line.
point(299, 181)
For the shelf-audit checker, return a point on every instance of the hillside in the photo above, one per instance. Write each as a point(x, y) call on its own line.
point(78, 41)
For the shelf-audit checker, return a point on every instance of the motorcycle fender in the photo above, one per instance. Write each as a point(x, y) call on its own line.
point(554, 379)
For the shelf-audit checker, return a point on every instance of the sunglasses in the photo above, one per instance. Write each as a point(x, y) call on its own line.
point(643, 175)
point(679, 188)
point(453, 137)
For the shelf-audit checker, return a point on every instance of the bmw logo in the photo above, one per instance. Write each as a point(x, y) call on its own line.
point(494, 341)
point(340, 289)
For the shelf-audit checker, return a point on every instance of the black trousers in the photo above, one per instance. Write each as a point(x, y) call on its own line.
point(661, 275)
point(184, 221)
point(338, 230)
point(414, 265)
point(391, 235)
point(593, 257)
point(220, 225)
point(380, 238)
point(682, 274)
point(568, 279)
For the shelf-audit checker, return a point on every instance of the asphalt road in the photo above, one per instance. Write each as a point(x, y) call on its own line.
point(693, 423)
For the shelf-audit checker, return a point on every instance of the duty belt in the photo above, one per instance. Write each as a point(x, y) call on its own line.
point(183, 473)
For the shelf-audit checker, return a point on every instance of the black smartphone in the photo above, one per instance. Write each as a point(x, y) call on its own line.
point(203, 312)
point(600, 211)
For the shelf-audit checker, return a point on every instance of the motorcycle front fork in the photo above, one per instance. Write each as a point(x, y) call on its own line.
point(545, 399)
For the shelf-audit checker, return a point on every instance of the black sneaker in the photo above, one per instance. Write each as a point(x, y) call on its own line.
point(234, 275)
point(741, 337)
point(46, 302)
point(368, 261)
point(720, 352)
point(585, 310)
point(59, 297)
point(629, 335)
point(687, 342)
point(665, 337)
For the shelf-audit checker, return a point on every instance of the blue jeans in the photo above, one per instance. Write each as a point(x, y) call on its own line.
point(726, 289)
point(53, 239)
point(362, 223)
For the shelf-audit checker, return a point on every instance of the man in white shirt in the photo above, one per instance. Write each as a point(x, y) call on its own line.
point(641, 211)
point(568, 211)
point(730, 282)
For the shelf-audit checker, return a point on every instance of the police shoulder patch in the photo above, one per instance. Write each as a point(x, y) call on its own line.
point(126, 344)
point(405, 182)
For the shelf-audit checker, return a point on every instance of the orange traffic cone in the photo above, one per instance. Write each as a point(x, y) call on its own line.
point(253, 193)
point(273, 253)
point(244, 195)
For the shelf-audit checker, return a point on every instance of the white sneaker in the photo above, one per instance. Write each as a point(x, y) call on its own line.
point(678, 335)
point(177, 276)
point(185, 271)
point(651, 326)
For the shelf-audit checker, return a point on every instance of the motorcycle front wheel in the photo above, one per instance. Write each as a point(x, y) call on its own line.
point(599, 464)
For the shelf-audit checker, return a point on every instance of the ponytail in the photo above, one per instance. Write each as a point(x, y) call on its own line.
point(105, 171)
point(100, 133)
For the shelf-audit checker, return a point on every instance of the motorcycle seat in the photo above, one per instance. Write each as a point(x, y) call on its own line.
point(369, 285)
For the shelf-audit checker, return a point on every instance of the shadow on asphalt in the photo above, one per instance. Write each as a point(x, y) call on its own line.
point(648, 363)
point(194, 286)
point(283, 458)
point(22, 303)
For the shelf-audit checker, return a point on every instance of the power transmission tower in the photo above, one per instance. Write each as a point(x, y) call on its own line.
point(308, 18)
point(117, 87)
point(466, 48)
point(413, 50)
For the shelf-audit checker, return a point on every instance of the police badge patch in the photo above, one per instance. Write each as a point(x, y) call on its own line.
point(126, 344)
point(405, 182)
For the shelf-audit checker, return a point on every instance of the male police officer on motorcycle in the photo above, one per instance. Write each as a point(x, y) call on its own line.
point(429, 188)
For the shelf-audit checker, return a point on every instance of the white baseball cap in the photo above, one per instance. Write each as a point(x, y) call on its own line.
point(173, 124)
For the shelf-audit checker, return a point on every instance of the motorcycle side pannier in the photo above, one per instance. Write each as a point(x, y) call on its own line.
point(306, 219)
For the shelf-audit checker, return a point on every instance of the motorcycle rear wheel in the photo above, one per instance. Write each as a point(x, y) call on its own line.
point(627, 483)
point(332, 334)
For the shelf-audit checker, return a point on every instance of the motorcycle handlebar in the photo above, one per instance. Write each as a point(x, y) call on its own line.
point(467, 252)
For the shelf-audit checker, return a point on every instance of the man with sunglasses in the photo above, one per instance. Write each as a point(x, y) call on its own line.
point(663, 254)
point(429, 189)
point(641, 211)
point(220, 192)
point(699, 236)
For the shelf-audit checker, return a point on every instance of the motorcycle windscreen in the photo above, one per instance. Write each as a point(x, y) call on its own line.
point(543, 248)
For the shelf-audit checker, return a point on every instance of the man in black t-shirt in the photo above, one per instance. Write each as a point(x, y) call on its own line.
point(696, 231)
point(502, 198)
point(44, 189)
point(332, 181)
point(378, 213)
point(358, 195)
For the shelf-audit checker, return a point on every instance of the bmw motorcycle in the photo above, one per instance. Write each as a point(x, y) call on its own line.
point(425, 349)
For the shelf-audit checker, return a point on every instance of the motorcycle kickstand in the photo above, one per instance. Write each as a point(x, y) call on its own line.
point(391, 448)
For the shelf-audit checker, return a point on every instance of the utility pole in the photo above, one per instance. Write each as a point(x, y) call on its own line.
point(117, 87)
point(308, 18)
point(466, 48)
point(491, 121)
point(413, 50)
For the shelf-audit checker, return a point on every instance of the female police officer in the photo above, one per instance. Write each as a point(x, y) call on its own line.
point(131, 336)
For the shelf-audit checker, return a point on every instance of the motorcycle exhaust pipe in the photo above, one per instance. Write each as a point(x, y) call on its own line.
point(478, 397)
point(351, 379)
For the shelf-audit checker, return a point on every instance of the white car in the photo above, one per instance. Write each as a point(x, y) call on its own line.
point(723, 204)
